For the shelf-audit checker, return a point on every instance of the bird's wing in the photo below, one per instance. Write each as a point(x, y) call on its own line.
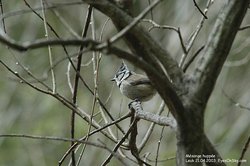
point(140, 80)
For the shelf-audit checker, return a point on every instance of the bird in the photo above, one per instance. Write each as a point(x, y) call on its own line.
point(132, 85)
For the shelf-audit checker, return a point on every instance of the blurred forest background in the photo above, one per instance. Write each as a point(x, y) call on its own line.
point(24, 110)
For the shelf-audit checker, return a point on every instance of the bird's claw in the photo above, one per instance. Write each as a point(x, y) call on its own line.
point(135, 104)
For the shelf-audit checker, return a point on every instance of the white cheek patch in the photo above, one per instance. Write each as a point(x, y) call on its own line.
point(120, 76)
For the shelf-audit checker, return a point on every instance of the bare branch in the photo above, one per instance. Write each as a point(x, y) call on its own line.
point(150, 129)
point(192, 58)
point(171, 66)
point(60, 98)
point(44, 43)
point(151, 12)
point(50, 138)
point(76, 81)
point(244, 27)
point(204, 77)
point(237, 104)
point(155, 25)
point(89, 43)
point(131, 25)
point(63, 21)
point(163, 160)
point(140, 42)
point(160, 120)
point(148, 50)
point(244, 151)
point(177, 30)
point(194, 35)
point(203, 14)
point(91, 133)
point(216, 51)
point(158, 147)
point(53, 77)
point(52, 6)
point(134, 106)
point(119, 143)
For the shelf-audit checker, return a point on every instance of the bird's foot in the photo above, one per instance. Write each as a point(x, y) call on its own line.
point(136, 105)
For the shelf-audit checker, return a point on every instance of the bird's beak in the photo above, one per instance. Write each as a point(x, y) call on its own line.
point(113, 79)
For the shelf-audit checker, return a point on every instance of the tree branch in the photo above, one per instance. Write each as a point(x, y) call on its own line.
point(158, 60)
point(119, 143)
point(76, 81)
point(194, 34)
point(44, 43)
point(144, 44)
point(160, 120)
point(244, 151)
point(196, 5)
point(139, 40)
point(52, 138)
point(216, 50)
point(134, 106)
point(205, 75)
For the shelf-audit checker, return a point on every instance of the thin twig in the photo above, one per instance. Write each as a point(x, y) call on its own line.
point(50, 138)
point(244, 151)
point(24, 11)
point(134, 107)
point(133, 135)
point(145, 156)
point(177, 30)
point(158, 147)
point(48, 92)
point(129, 158)
point(150, 129)
point(91, 133)
point(11, 42)
point(194, 35)
point(53, 76)
point(151, 12)
point(119, 144)
point(60, 98)
point(136, 20)
point(63, 21)
point(163, 160)
point(39, 16)
point(182, 42)
point(155, 25)
point(91, 19)
point(92, 45)
point(56, 34)
point(244, 27)
point(192, 58)
point(98, 61)
point(237, 104)
point(72, 64)
point(203, 14)
point(78, 70)
point(28, 71)
point(68, 78)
